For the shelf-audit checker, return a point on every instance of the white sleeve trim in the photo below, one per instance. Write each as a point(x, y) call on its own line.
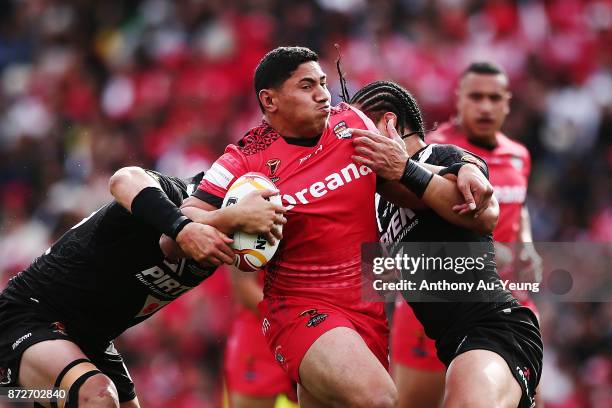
point(219, 176)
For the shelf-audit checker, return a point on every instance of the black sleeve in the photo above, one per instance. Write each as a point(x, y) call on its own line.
point(174, 187)
point(208, 198)
point(447, 154)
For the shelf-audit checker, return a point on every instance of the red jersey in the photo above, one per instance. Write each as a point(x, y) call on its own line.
point(509, 166)
point(330, 202)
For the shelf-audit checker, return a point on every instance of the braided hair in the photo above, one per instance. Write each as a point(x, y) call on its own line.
point(379, 97)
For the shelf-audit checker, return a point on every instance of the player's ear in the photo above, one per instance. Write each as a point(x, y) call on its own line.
point(388, 116)
point(266, 97)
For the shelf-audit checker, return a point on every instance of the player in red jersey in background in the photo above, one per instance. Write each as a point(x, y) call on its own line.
point(483, 102)
point(321, 332)
point(253, 378)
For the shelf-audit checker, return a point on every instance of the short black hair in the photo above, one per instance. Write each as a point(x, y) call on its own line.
point(278, 65)
point(485, 68)
point(379, 97)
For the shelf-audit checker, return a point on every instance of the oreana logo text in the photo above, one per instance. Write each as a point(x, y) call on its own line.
point(320, 188)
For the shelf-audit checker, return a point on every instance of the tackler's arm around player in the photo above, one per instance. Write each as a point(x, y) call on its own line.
point(253, 215)
point(409, 184)
point(128, 182)
point(141, 194)
point(480, 211)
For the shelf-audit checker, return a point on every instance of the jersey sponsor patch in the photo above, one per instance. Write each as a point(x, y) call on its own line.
point(315, 318)
point(341, 130)
point(219, 176)
point(400, 224)
point(151, 305)
point(273, 165)
point(162, 282)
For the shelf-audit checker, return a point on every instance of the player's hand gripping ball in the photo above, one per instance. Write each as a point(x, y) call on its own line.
point(251, 252)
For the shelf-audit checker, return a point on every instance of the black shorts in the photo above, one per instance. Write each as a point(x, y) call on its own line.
point(513, 333)
point(22, 326)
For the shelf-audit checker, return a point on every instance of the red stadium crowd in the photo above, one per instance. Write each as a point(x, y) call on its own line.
point(89, 87)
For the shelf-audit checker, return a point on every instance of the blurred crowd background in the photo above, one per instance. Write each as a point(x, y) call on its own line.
point(89, 86)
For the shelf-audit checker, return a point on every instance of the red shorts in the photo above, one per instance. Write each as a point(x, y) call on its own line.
point(292, 324)
point(409, 344)
point(249, 366)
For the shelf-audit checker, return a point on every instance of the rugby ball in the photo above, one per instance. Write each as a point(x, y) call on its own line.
point(251, 252)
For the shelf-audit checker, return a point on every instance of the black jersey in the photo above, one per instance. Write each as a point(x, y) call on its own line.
point(107, 273)
point(425, 226)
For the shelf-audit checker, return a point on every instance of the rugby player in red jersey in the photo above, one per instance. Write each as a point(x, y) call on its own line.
point(482, 106)
point(328, 340)
point(252, 376)
point(483, 102)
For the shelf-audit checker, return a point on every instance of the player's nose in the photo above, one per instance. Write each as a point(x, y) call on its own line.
point(485, 105)
point(322, 95)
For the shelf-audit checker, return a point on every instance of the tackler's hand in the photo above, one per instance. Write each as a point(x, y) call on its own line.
point(386, 156)
point(205, 244)
point(476, 190)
